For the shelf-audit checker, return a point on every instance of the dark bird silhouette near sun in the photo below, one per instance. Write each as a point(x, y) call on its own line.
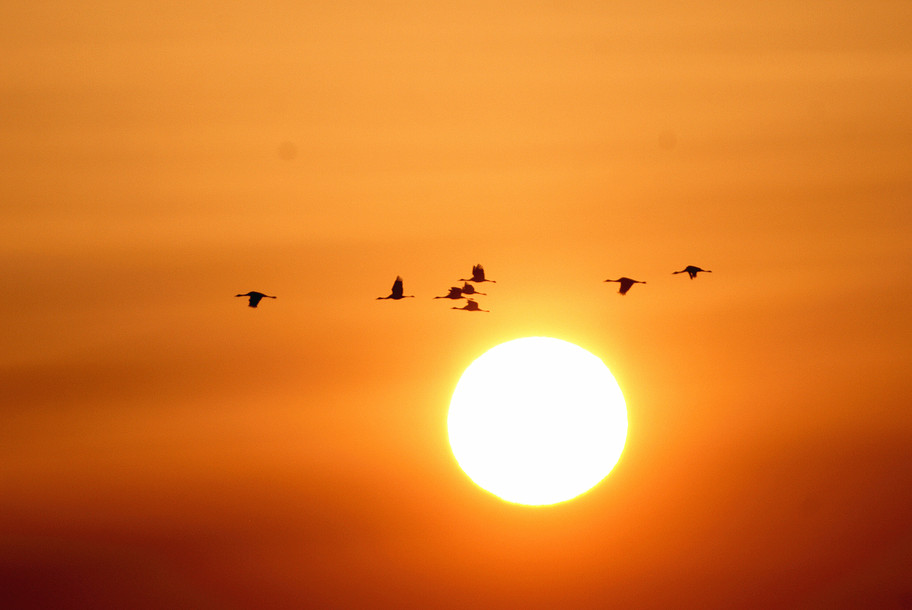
point(255, 297)
point(471, 305)
point(470, 289)
point(478, 275)
point(454, 293)
point(626, 284)
point(692, 271)
point(397, 292)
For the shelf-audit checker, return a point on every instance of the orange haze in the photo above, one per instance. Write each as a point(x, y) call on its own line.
point(163, 446)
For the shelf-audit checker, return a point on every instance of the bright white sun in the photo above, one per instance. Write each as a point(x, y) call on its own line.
point(537, 421)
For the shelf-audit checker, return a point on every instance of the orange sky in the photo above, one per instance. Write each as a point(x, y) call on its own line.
point(163, 445)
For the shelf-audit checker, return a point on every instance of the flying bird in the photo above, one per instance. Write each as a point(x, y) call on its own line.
point(478, 275)
point(454, 293)
point(470, 289)
point(691, 271)
point(626, 283)
point(255, 297)
point(471, 305)
point(397, 291)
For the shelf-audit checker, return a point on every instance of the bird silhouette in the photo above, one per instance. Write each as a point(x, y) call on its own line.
point(255, 297)
point(454, 293)
point(691, 271)
point(471, 305)
point(478, 275)
point(397, 291)
point(470, 289)
point(626, 283)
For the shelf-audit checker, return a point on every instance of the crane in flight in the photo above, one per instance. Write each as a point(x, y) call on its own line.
point(471, 305)
point(626, 284)
point(478, 275)
point(468, 288)
point(692, 271)
point(255, 297)
point(454, 293)
point(397, 292)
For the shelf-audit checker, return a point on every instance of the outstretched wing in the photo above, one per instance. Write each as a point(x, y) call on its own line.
point(397, 288)
point(626, 283)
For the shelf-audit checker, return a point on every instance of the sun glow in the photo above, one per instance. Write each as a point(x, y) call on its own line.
point(537, 421)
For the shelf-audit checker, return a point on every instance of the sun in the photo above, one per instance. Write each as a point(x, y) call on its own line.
point(537, 421)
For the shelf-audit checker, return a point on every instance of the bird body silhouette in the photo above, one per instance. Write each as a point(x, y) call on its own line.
point(626, 284)
point(397, 292)
point(478, 275)
point(470, 289)
point(691, 271)
point(255, 297)
point(454, 293)
point(471, 305)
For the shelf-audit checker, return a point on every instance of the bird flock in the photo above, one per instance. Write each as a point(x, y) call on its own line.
point(468, 289)
point(455, 292)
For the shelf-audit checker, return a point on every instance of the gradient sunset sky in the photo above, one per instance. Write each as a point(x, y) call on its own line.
point(164, 446)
